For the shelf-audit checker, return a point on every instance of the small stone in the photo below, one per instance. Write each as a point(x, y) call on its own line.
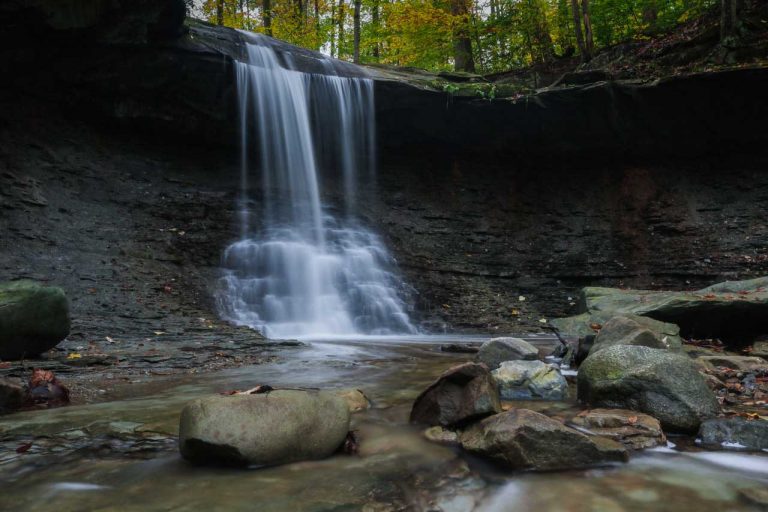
point(634, 430)
point(735, 433)
point(530, 380)
point(497, 350)
point(12, 394)
point(441, 435)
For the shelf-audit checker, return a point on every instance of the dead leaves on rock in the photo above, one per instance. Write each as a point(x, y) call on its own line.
point(44, 389)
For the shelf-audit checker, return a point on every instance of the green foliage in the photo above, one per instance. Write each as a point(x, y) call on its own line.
point(421, 33)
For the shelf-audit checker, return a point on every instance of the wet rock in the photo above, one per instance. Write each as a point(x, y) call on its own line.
point(741, 363)
point(637, 330)
point(355, 399)
point(264, 429)
point(529, 380)
point(497, 350)
point(755, 496)
point(738, 433)
point(460, 348)
point(523, 439)
point(463, 393)
point(634, 430)
point(760, 349)
point(12, 394)
point(657, 382)
point(33, 318)
point(732, 309)
point(441, 435)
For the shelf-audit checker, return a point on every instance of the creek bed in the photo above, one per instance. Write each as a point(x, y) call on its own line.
point(122, 455)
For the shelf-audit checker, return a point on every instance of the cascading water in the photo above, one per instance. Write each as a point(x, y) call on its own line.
point(306, 271)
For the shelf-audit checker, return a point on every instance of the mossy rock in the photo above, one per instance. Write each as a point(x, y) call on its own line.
point(33, 318)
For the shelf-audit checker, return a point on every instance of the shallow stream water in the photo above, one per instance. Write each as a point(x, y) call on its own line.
point(122, 455)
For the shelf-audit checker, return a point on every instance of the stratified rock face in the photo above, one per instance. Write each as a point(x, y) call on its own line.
point(497, 350)
point(463, 393)
point(634, 430)
point(530, 380)
point(33, 319)
point(637, 330)
point(736, 433)
point(657, 382)
point(523, 439)
point(264, 429)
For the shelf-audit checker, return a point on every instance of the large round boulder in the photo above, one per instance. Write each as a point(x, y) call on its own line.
point(523, 439)
point(530, 380)
point(657, 382)
point(497, 350)
point(263, 429)
point(33, 318)
point(462, 394)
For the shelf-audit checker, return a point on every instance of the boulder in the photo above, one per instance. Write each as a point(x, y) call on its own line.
point(497, 350)
point(657, 382)
point(441, 435)
point(523, 439)
point(739, 433)
point(729, 310)
point(637, 330)
point(462, 394)
point(634, 430)
point(529, 380)
point(33, 318)
point(263, 429)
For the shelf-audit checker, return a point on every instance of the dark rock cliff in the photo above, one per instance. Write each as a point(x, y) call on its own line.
point(118, 125)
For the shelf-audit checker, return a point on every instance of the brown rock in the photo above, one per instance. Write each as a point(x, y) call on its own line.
point(634, 430)
point(463, 393)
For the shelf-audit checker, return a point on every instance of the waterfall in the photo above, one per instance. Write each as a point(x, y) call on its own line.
point(307, 270)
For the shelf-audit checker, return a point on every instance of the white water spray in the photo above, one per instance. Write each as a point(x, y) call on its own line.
point(307, 272)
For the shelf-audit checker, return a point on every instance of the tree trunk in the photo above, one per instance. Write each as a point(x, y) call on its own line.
point(588, 39)
point(356, 28)
point(730, 14)
point(375, 22)
point(341, 28)
point(333, 29)
point(317, 25)
point(462, 44)
point(266, 16)
point(219, 12)
point(577, 23)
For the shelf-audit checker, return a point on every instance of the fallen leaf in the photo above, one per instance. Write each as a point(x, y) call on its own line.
point(74, 355)
point(23, 447)
point(632, 420)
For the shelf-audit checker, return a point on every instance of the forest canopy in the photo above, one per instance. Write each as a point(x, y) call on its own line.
point(481, 36)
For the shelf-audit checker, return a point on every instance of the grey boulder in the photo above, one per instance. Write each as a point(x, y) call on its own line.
point(637, 330)
point(529, 380)
point(657, 382)
point(497, 350)
point(33, 318)
point(527, 440)
point(736, 433)
point(263, 429)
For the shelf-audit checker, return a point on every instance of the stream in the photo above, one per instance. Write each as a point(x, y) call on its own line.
point(122, 455)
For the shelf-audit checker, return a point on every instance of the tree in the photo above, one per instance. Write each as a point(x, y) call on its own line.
point(356, 30)
point(578, 23)
point(730, 24)
point(266, 16)
point(462, 44)
point(219, 12)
